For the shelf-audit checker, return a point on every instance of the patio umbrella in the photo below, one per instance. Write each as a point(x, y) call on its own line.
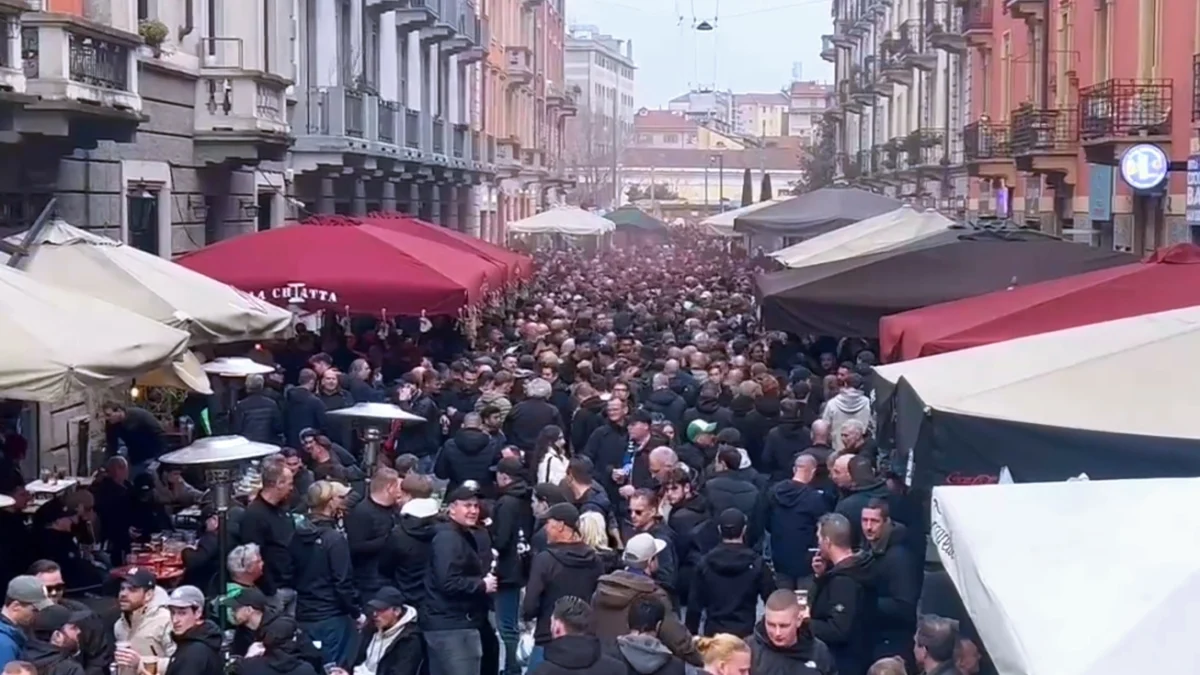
point(816, 212)
point(1168, 279)
point(58, 343)
point(159, 289)
point(721, 224)
point(510, 266)
point(847, 298)
point(633, 217)
point(337, 263)
point(566, 220)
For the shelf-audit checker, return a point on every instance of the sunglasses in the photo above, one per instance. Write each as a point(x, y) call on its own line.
point(55, 588)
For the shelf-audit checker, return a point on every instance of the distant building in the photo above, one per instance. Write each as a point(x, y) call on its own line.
point(708, 106)
point(669, 129)
point(758, 115)
point(806, 104)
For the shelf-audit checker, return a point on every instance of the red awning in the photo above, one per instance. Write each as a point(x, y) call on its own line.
point(1168, 279)
point(333, 262)
point(517, 267)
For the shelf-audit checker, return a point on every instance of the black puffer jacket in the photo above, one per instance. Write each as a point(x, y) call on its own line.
point(527, 420)
point(581, 654)
point(793, 510)
point(455, 596)
point(512, 529)
point(324, 575)
point(728, 583)
point(683, 520)
point(259, 419)
point(469, 455)
point(197, 652)
point(95, 643)
point(559, 571)
point(588, 418)
point(759, 422)
point(405, 556)
point(50, 660)
point(668, 404)
point(842, 611)
point(740, 489)
point(807, 656)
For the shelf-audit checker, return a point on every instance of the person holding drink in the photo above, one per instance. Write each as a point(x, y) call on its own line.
point(144, 626)
point(196, 642)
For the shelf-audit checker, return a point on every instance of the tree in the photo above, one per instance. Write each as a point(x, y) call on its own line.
point(819, 162)
point(659, 191)
point(747, 188)
point(764, 192)
point(590, 147)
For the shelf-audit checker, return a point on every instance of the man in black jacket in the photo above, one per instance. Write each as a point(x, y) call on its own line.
point(664, 401)
point(709, 408)
point(416, 396)
point(367, 528)
point(302, 409)
point(735, 486)
point(527, 418)
point(783, 642)
point(644, 517)
point(135, 428)
point(268, 522)
point(568, 567)
point(359, 385)
point(788, 439)
point(842, 601)
point(458, 583)
point(896, 581)
point(258, 417)
point(468, 456)
point(405, 555)
point(866, 485)
point(390, 641)
point(257, 620)
point(688, 510)
point(575, 649)
point(53, 642)
point(728, 582)
point(793, 509)
point(512, 527)
point(327, 602)
point(197, 641)
point(95, 646)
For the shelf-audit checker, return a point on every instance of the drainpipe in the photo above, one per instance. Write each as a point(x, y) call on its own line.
point(1045, 30)
point(189, 20)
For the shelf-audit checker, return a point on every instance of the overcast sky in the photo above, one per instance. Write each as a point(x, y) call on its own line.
point(753, 48)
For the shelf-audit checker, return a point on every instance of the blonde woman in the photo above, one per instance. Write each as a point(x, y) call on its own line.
point(593, 531)
point(724, 654)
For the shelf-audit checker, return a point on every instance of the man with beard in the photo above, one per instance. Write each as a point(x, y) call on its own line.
point(367, 528)
point(95, 647)
point(405, 555)
point(896, 583)
point(575, 648)
point(785, 441)
point(689, 510)
point(842, 600)
point(53, 647)
point(729, 581)
point(468, 456)
point(512, 526)
point(783, 644)
point(390, 642)
point(458, 583)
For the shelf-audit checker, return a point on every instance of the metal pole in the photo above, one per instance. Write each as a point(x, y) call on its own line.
point(374, 438)
point(721, 180)
point(706, 187)
point(18, 253)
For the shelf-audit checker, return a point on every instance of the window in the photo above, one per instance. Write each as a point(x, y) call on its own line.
point(1103, 38)
point(1005, 74)
point(143, 10)
point(142, 208)
point(671, 139)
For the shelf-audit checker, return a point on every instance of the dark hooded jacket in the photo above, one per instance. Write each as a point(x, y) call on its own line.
point(711, 411)
point(405, 654)
point(50, 660)
point(793, 510)
point(274, 662)
point(258, 418)
point(469, 455)
point(616, 592)
point(727, 585)
point(759, 422)
point(897, 587)
point(842, 612)
point(741, 407)
point(301, 410)
point(856, 499)
point(197, 652)
point(608, 448)
point(683, 520)
point(668, 404)
point(589, 417)
point(560, 570)
point(526, 421)
point(325, 585)
point(647, 655)
point(405, 556)
point(455, 595)
point(740, 489)
point(340, 430)
point(95, 643)
point(782, 444)
point(807, 656)
point(580, 654)
point(423, 438)
point(512, 529)
point(367, 528)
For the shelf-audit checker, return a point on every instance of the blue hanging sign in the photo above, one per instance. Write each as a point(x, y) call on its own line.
point(1144, 167)
point(1193, 191)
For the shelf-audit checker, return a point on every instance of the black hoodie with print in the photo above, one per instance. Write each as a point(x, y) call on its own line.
point(562, 569)
point(668, 404)
point(710, 410)
point(683, 521)
point(726, 587)
point(806, 656)
point(324, 575)
point(405, 556)
point(842, 611)
point(512, 529)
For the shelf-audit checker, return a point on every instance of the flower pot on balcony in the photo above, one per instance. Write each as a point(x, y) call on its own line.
point(154, 33)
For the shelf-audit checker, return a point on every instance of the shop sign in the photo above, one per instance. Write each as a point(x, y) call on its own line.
point(1192, 204)
point(1144, 167)
point(297, 292)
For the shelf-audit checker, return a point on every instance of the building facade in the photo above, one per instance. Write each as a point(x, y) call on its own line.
point(668, 129)
point(757, 115)
point(806, 106)
point(716, 108)
point(600, 72)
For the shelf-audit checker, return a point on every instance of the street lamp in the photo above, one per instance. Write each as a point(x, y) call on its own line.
point(720, 160)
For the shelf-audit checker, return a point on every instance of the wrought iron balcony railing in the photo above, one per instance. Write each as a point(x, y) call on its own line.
point(1125, 108)
point(1036, 131)
point(439, 137)
point(412, 129)
point(986, 140)
point(356, 113)
point(389, 113)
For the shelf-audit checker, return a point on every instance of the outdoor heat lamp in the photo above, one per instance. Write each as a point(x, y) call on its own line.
point(235, 368)
point(374, 417)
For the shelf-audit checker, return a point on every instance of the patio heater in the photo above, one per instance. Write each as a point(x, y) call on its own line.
point(231, 369)
point(220, 457)
point(374, 417)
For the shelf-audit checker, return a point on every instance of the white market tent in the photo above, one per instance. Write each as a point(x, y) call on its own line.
point(879, 233)
point(721, 224)
point(1057, 583)
point(156, 288)
point(1066, 378)
point(58, 343)
point(566, 220)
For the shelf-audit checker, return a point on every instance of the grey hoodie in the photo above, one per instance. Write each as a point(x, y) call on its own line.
point(646, 654)
point(849, 404)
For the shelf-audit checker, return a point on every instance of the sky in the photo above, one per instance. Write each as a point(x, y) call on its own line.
point(752, 49)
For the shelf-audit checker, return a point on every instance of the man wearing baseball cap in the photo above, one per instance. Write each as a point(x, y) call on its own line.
point(617, 591)
point(256, 617)
point(54, 641)
point(198, 641)
point(327, 601)
point(145, 621)
point(390, 642)
point(26, 595)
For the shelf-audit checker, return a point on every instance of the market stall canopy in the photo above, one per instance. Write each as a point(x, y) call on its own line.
point(336, 263)
point(58, 343)
point(1168, 279)
point(1054, 405)
point(848, 297)
point(156, 288)
point(568, 220)
point(721, 225)
point(1056, 584)
point(878, 233)
point(510, 266)
point(816, 212)
point(632, 217)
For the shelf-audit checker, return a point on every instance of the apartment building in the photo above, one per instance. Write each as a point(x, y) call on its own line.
point(900, 97)
point(806, 106)
point(760, 114)
point(599, 73)
point(716, 108)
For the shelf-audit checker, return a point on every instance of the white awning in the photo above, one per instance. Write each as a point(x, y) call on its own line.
point(879, 233)
point(721, 225)
point(569, 220)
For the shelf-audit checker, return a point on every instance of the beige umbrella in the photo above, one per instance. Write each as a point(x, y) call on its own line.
point(211, 311)
point(58, 343)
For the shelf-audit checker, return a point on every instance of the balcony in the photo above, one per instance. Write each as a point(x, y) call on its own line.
point(469, 41)
point(438, 133)
point(458, 142)
point(341, 126)
point(923, 149)
point(1116, 114)
point(1196, 91)
point(445, 26)
point(1029, 11)
point(12, 73)
point(940, 38)
point(828, 49)
point(861, 89)
point(241, 113)
point(977, 23)
point(841, 36)
point(533, 162)
point(507, 158)
point(890, 155)
point(412, 129)
point(388, 116)
point(987, 150)
point(520, 65)
point(892, 68)
point(417, 14)
point(846, 91)
point(530, 4)
point(914, 51)
point(84, 72)
point(1046, 141)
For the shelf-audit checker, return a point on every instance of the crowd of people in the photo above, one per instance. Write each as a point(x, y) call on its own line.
point(620, 472)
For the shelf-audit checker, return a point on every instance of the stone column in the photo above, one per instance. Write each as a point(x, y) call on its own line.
point(450, 215)
point(389, 196)
point(323, 45)
point(389, 58)
point(359, 204)
point(427, 204)
point(468, 214)
point(414, 199)
point(435, 204)
point(325, 203)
